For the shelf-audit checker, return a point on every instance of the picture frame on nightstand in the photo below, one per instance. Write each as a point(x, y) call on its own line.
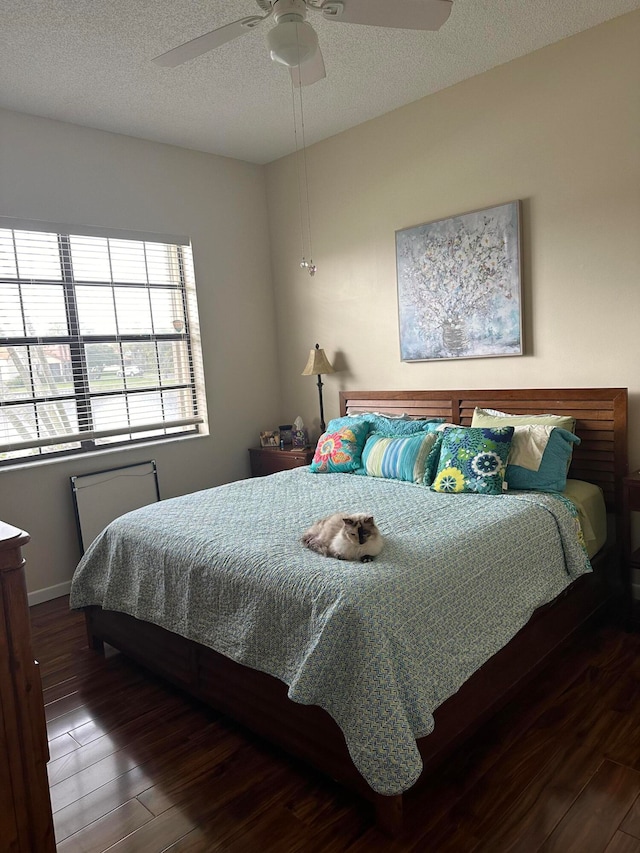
point(270, 438)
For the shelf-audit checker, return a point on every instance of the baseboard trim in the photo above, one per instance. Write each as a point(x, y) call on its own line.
point(38, 596)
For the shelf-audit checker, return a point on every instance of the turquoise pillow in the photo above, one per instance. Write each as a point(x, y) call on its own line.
point(551, 476)
point(385, 425)
point(398, 457)
point(340, 451)
point(473, 459)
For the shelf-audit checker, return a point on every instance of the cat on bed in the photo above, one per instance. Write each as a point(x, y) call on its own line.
point(345, 537)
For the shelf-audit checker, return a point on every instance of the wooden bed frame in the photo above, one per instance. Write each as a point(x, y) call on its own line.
point(260, 701)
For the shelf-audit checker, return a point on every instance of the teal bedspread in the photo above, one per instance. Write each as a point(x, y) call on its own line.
point(378, 645)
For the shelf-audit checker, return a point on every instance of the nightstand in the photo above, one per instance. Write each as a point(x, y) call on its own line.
point(270, 460)
point(631, 503)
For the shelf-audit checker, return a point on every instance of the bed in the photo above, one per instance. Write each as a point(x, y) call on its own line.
point(342, 664)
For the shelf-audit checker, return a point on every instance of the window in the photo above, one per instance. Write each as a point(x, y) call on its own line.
point(96, 341)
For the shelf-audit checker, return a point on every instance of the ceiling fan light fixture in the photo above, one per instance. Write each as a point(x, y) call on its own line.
point(292, 43)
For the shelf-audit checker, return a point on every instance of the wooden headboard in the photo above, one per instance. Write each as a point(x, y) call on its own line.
point(601, 421)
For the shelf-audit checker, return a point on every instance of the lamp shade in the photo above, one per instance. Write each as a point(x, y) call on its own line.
point(292, 43)
point(318, 363)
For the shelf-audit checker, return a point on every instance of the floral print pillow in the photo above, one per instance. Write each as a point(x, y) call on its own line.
point(473, 459)
point(340, 452)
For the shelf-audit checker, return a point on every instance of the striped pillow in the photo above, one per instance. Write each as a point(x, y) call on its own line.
point(398, 457)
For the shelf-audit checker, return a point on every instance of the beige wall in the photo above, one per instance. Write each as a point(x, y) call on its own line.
point(62, 173)
point(559, 129)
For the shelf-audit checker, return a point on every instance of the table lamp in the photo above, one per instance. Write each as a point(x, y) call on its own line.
point(317, 365)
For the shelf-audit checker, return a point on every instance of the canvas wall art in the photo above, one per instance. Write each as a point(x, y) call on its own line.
point(459, 286)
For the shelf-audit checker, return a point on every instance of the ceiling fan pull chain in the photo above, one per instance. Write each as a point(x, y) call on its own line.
point(304, 263)
point(310, 266)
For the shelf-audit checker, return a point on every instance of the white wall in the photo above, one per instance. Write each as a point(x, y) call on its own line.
point(63, 173)
point(559, 129)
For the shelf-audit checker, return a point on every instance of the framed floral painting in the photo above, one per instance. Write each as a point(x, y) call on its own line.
point(459, 286)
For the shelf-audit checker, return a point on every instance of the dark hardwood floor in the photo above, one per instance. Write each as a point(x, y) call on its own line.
point(137, 766)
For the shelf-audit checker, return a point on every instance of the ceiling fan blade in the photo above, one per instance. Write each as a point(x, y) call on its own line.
point(309, 72)
point(401, 14)
point(208, 41)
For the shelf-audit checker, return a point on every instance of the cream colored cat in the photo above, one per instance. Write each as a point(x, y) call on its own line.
point(345, 537)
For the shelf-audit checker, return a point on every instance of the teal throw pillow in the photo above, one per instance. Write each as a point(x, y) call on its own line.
point(398, 457)
point(340, 451)
point(551, 475)
point(473, 459)
point(387, 425)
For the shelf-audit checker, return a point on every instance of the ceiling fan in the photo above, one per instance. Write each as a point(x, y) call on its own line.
point(294, 43)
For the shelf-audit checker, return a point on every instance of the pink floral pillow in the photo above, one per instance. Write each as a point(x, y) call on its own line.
point(340, 452)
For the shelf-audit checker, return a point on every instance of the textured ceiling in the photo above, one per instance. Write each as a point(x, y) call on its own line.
point(88, 63)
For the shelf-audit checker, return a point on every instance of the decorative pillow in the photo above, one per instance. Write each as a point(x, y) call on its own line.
point(387, 425)
point(398, 457)
point(473, 460)
point(340, 451)
point(491, 417)
point(432, 461)
point(551, 474)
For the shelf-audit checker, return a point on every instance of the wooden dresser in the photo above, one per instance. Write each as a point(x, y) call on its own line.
point(26, 824)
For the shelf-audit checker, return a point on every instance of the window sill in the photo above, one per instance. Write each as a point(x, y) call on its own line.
point(31, 463)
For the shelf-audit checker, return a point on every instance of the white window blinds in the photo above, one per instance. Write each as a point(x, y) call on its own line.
point(96, 341)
